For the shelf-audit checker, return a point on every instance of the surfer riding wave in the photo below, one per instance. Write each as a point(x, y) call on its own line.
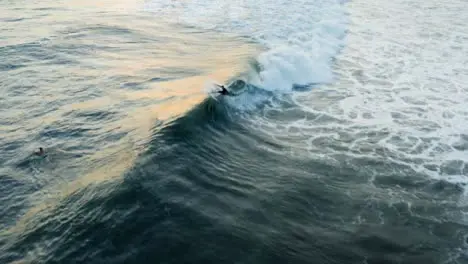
point(235, 88)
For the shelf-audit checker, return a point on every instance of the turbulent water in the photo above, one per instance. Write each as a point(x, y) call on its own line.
point(350, 145)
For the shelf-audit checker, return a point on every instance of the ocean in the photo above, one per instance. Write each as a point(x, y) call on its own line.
point(349, 144)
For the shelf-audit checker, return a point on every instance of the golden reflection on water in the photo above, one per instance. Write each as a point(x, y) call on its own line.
point(218, 57)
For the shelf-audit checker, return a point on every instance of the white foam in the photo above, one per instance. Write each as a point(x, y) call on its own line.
point(286, 66)
point(402, 76)
point(301, 37)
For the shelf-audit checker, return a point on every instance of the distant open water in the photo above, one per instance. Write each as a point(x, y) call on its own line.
point(349, 147)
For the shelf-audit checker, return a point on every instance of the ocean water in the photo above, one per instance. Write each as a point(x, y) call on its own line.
point(350, 145)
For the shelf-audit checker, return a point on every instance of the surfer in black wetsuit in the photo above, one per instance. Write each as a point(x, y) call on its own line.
point(40, 152)
point(223, 91)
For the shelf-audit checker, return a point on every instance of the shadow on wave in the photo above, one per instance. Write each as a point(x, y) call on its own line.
point(204, 192)
point(169, 208)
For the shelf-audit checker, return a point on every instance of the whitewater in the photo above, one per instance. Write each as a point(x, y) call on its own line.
point(300, 39)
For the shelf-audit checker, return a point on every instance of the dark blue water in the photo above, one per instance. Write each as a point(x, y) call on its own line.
point(142, 165)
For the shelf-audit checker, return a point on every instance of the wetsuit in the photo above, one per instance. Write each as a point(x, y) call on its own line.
point(223, 91)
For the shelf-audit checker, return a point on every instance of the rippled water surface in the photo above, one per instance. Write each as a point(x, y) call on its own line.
point(349, 144)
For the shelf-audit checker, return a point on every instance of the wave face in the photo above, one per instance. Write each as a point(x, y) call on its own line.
point(367, 167)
